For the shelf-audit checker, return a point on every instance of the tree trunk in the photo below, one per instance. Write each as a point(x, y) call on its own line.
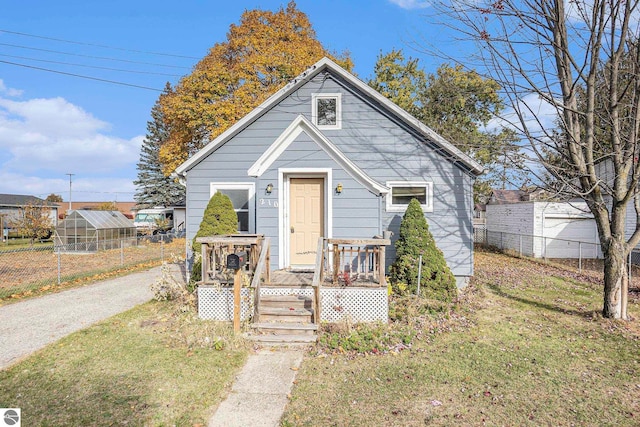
point(615, 270)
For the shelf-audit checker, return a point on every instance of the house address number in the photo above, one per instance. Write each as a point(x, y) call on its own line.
point(269, 203)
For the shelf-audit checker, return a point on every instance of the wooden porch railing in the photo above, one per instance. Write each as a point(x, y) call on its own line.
point(348, 261)
point(216, 248)
point(262, 272)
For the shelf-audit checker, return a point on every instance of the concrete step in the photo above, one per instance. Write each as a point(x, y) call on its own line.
point(287, 328)
point(290, 314)
point(284, 340)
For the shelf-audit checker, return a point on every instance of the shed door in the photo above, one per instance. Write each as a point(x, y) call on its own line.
point(562, 235)
point(306, 219)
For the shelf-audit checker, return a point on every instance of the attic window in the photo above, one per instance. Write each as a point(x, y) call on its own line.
point(403, 192)
point(327, 110)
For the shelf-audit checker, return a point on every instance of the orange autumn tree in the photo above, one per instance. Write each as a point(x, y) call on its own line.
point(261, 54)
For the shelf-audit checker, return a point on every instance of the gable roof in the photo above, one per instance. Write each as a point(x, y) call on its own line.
point(21, 200)
point(302, 125)
point(295, 84)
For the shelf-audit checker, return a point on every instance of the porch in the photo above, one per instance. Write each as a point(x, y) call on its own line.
point(346, 283)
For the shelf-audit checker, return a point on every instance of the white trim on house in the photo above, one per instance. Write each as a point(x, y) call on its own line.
point(284, 175)
point(215, 186)
point(326, 63)
point(314, 109)
point(428, 186)
point(298, 126)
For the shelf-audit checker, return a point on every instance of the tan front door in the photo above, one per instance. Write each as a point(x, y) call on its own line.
point(306, 219)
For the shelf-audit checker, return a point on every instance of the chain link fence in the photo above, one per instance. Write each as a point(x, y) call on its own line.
point(26, 270)
point(583, 257)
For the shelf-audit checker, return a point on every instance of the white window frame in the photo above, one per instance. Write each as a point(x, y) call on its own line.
point(314, 109)
point(428, 186)
point(251, 187)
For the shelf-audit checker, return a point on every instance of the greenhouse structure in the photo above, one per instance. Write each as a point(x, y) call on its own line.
point(91, 231)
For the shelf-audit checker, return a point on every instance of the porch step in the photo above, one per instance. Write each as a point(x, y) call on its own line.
point(285, 301)
point(285, 328)
point(285, 314)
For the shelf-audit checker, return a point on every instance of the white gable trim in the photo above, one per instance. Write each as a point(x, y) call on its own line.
point(295, 84)
point(298, 126)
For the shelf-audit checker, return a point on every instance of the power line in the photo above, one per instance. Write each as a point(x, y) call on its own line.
point(80, 76)
point(90, 66)
point(92, 56)
point(97, 45)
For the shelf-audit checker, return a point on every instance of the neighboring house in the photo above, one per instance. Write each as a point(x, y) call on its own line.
point(179, 215)
point(127, 208)
point(329, 156)
point(543, 229)
point(12, 207)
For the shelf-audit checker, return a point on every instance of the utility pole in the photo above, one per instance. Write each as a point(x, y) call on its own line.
point(70, 175)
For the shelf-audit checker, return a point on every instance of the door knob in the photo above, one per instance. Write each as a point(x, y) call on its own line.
point(292, 230)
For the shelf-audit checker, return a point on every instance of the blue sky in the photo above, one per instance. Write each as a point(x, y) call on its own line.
point(53, 124)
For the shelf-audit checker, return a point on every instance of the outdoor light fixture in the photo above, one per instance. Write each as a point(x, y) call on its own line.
point(339, 188)
point(269, 188)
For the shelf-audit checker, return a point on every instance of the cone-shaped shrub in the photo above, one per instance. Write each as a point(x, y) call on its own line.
point(415, 239)
point(219, 218)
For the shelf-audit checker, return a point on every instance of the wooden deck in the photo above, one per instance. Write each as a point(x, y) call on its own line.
point(305, 278)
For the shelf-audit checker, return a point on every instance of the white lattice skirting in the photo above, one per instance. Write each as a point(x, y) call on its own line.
point(217, 303)
point(353, 304)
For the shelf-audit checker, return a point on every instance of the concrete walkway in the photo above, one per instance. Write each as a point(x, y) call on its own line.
point(31, 324)
point(260, 392)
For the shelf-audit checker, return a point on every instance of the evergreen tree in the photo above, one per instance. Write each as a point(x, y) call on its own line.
point(415, 239)
point(153, 187)
point(219, 218)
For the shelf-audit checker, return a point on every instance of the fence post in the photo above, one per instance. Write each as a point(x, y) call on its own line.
point(59, 268)
point(419, 275)
point(544, 248)
point(121, 253)
point(162, 250)
point(580, 257)
point(520, 247)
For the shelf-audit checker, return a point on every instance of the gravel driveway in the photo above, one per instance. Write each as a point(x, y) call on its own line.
point(30, 325)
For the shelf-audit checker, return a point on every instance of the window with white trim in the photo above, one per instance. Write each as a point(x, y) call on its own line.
point(327, 110)
point(402, 192)
point(242, 197)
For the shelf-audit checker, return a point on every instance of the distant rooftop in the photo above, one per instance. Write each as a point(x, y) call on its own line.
point(20, 200)
point(503, 197)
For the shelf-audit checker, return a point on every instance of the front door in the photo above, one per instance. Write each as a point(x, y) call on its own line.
point(306, 219)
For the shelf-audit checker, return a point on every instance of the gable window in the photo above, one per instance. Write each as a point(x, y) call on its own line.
point(402, 192)
point(242, 197)
point(327, 110)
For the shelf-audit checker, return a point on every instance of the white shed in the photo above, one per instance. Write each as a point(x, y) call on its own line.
point(544, 229)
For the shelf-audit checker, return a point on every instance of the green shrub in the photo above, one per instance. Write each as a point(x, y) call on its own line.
point(415, 239)
point(219, 218)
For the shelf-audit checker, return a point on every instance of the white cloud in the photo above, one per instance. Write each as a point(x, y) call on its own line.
point(539, 116)
point(411, 4)
point(9, 91)
point(41, 140)
point(55, 135)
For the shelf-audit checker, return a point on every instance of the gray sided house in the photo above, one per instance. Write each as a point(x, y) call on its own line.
point(12, 208)
point(327, 156)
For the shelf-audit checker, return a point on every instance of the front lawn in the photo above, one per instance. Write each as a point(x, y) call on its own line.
point(149, 366)
point(526, 346)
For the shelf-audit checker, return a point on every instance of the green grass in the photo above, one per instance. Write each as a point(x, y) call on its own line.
point(525, 347)
point(149, 366)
